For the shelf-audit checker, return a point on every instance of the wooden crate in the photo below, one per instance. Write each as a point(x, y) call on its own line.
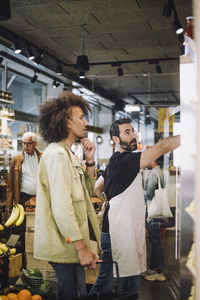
point(15, 264)
point(30, 221)
point(32, 262)
point(29, 242)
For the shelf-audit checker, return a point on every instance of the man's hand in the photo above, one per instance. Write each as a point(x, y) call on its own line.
point(88, 149)
point(87, 258)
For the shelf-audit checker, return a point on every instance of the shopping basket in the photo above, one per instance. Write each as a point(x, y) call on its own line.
point(46, 286)
point(118, 295)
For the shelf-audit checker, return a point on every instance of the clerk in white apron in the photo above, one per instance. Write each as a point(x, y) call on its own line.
point(123, 230)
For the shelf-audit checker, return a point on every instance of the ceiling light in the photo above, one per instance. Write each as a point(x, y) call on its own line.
point(131, 108)
point(55, 84)
point(38, 59)
point(158, 69)
point(120, 71)
point(99, 139)
point(177, 25)
point(82, 63)
point(81, 74)
point(5, 10)
point(16, 47)
point(34, 78)
point(59, 70)
point(30, 54)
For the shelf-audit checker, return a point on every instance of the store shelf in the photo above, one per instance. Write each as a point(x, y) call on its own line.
point(5, 101)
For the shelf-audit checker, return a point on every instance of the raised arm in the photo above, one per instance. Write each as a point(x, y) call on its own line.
point(99, 188)
point(167, 145)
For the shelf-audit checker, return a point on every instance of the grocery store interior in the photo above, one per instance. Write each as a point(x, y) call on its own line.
point(132, 58)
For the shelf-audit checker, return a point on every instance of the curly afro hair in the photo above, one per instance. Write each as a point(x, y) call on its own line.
point(55, 112)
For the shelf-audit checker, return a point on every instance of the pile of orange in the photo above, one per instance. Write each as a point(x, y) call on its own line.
point(22, 295)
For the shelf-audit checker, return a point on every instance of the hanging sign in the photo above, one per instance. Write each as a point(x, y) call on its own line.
point(164, 116)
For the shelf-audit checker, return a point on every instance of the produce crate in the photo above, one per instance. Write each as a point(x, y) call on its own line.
point(29, 242)
point(15, 264)
point(46, 286)
point(30, 221)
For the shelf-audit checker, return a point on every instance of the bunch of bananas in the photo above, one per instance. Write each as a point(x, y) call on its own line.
point(4, 249)
point(17, 216)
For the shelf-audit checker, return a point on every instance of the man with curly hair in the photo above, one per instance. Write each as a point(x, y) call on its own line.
point(65, 218)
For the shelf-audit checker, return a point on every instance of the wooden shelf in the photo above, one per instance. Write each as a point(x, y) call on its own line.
point(5, 101)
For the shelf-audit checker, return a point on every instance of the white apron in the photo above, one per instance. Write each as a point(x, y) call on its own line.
point(127, 229)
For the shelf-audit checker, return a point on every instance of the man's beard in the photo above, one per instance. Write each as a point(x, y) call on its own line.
point(127, 146)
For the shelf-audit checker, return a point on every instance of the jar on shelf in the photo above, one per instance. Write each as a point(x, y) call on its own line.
point(189, 30)
point(1, 94)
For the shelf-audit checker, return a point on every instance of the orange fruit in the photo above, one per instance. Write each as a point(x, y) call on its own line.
point(36, 297)
point(3, 297)
point(24, 295)
point(12, 296)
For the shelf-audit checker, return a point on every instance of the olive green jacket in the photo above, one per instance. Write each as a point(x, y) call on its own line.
point(63, 206)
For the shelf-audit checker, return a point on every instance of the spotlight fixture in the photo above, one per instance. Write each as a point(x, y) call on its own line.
point(55, 84)
point(38, 58)
point(65, 87)
point(16, 47)
point(158, 69)
point(30, 53)
point(177, 25)
point(81, 74)
point(1, 60)
point(59, 69)
point(34, 78)
point(120, 71)
point(5, 10)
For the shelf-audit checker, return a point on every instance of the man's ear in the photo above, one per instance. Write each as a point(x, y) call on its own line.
point(115, 139)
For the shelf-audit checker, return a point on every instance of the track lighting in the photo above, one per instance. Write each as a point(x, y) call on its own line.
point(120, 71)
point(30, 53)
point(16, 47)
point(81, 74)
point(177, 25)
point(158, 69)
point(5, 10)
point(55, 84)
point(59, 69)
point(34, 78)
point(38, 59)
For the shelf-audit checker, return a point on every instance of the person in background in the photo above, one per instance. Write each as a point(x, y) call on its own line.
point(123, 230)
point(157, 261)
point(22, 179)
point(65, 220)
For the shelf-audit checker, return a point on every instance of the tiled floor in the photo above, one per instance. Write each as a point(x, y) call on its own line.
point(154, 290)
point(168, 290)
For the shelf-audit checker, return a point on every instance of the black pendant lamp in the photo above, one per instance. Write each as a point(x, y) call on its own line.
point(5, 10)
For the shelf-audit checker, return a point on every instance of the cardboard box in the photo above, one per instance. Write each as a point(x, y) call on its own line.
point(29, 242)
point(30, 221)
point(15, 264)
